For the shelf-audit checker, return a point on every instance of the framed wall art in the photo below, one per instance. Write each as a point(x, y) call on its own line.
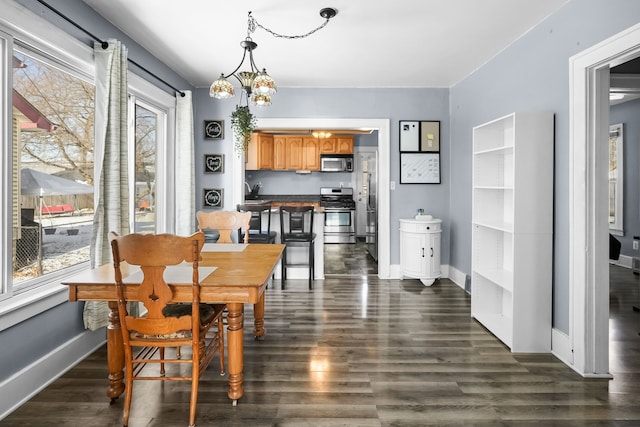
point(419, 168)
point(212, 197)
point(420, 136)
point(213, 163)
point(419, 152)
point(213, 129)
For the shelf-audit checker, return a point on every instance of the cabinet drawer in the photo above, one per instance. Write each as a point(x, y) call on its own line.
point(420, 226)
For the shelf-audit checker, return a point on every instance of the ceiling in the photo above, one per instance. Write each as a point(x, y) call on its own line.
point(370, 43)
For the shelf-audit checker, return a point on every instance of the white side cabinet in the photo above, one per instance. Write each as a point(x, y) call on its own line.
point(512, 225)
point(420, 249)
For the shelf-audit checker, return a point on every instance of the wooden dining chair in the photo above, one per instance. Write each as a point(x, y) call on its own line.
point(225, 222)
point(164, 324)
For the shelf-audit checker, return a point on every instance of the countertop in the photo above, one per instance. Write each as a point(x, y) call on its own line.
point(278, 200)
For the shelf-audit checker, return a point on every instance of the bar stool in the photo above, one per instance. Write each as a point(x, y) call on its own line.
point(296, 230)
point(258, 233)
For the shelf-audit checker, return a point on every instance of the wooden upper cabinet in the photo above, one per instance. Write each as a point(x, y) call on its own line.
point(291, 152)
point(311, 154)
point(260, 152)
point(279, 152)
point(327, 146)
point(344, 145)
point(294, 151)
point(336, 145)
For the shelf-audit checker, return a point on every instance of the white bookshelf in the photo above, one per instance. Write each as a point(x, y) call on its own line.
point(512, 220)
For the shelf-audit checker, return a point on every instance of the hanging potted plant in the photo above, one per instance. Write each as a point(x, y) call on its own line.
point(243, 124)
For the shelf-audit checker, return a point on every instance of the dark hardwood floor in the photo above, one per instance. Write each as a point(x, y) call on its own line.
point(348, 260)
point(359, 351)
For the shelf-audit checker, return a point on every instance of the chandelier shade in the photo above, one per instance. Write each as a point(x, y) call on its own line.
point(263, 84)
point(261, 99)
point(221, 88)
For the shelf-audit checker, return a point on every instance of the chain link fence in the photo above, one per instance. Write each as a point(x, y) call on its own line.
point(41, 250)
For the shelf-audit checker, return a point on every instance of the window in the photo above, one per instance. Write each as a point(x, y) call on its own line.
point(146, 132)
point(150, 110)
point(47, 126)
point(52, 167)
point(616, 165)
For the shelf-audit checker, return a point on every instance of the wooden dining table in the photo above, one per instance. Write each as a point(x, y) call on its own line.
point(241, 275)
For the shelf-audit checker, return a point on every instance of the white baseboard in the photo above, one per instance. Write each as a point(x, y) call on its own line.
point(561, 346)
point(394, 271)
point(26, 383)
point(456, 276)
point(623, 261)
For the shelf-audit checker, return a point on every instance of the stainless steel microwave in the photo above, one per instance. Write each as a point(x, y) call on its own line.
point(336, 162)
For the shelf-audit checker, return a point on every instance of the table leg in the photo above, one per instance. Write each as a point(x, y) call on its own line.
point(115, 353)
point(258, 318)
point(235, 344)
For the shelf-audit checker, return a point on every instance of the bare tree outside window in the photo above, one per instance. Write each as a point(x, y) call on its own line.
point(53, 124)
point(146, 134)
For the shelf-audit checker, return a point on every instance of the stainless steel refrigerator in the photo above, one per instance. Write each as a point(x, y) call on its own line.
point(370, 168)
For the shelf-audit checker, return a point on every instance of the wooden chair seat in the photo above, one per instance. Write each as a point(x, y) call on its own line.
point(208, 312)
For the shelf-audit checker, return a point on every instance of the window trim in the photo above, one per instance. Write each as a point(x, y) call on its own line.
point(6, 228)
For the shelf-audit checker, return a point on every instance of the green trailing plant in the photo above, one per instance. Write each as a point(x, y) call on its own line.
point(243, 123)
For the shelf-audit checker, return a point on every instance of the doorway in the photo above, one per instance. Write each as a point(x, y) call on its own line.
point(586, 348)
point(382, 126)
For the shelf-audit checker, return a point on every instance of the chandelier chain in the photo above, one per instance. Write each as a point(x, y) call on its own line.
point(253, 24)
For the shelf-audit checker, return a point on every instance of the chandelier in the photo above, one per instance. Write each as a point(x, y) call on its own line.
point(256, 84)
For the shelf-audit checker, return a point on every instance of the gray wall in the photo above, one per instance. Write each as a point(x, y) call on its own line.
point(28, 341)
point(530, 75)
point(628, 113)
point(393, 104)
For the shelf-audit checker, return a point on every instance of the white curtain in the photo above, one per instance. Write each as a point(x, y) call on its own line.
point(111, 200)
point(184, 168)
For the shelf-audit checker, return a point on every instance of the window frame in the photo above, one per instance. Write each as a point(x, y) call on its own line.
point(19, 26)
point(163, 103)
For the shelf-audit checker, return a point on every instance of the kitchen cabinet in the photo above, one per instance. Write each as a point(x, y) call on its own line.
point(420, 249)
point(279, 152)
point(260, 152)
point(294, 153)
point(337, 145)
point(512, 223)
point(344, 145)
point(311, 154)
point(327, 146)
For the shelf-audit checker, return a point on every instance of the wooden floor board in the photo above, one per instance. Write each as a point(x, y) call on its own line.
point(359, 351)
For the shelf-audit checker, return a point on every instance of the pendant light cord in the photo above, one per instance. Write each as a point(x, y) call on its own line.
point(252, 24)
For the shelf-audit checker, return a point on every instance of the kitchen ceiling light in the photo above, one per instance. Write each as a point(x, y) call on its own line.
point(321, 134)
point(258, 86)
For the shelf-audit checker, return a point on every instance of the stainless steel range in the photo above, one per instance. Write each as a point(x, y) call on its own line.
point(339, 214)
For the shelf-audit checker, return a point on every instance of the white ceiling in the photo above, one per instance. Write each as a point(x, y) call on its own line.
point(370, 43)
